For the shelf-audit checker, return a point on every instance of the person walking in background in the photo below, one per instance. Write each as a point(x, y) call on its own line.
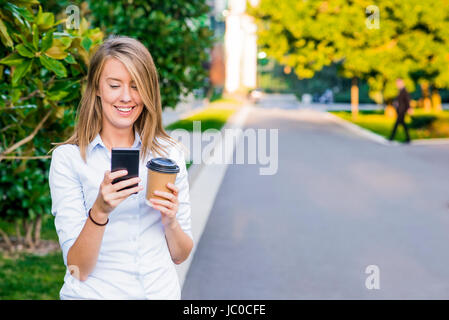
point(402, 105)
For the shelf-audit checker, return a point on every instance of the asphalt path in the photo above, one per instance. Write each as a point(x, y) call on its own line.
point(338, 203)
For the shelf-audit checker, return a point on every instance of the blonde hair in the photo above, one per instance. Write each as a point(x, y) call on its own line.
point(139, 63)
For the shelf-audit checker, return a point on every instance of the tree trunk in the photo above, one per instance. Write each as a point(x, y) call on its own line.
point(7, 240)
point(28, 234)
point(354, 98)
point(390, 111)
point(18, 232)
point(436, 101)
point(427, 104)
point(37, 230)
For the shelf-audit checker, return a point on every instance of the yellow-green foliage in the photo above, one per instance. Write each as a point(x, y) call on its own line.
point(411, 42)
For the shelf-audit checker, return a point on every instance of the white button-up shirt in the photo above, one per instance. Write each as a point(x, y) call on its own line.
point(134, 260)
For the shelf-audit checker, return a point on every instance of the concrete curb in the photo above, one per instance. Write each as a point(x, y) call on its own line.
point(205, 186)
point(435, 141)
point(360, 131)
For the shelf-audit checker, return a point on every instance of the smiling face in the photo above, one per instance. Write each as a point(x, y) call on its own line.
point(120, 100)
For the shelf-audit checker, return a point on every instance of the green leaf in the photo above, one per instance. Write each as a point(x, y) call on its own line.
point(31, 212)
point(26, 43)
point(45, 20)
point(39, 84)
point(57, 50)
point(21, 70)
point(70, 59)
point(57, 53)
point(13, 59)
point(19, 13)
point(47, 41)
point(64, 41)
point(35, 37)
point(86, 43)
point(58, 95)
point(53, 65)
point(6, 39)
point(24, 51)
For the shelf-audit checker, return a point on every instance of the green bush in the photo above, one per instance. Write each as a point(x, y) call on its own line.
point(176, 32)
point(422, 121)
point(42, 73)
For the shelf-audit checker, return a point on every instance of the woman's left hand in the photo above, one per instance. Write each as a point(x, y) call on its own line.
point(168, 207)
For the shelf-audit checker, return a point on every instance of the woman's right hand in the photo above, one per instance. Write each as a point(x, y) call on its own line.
point(109, 197)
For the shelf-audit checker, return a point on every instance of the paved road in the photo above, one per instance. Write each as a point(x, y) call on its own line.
point(337, 204)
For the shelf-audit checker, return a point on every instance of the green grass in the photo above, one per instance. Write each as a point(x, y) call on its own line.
point(213, 117)
point(378, 123)
point(31, 277)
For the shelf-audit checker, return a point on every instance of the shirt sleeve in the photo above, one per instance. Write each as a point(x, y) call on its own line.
point(184, 211)
point(67, 197)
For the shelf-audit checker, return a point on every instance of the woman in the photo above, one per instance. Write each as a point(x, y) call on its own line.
point(114, 245)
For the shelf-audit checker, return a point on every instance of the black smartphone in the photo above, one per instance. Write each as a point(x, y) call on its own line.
point(125, 159)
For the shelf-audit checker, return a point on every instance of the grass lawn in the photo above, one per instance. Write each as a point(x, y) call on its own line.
point(214, 116)
point(31, 277)
point(421, 125)
point(41, 277)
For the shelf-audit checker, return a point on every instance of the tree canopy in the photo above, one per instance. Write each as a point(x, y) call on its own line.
point(410, 40)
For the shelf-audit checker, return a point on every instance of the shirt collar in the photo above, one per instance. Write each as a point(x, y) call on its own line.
point(97, 141)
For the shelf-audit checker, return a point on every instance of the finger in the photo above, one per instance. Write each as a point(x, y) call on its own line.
point(109, 177)
point(172, 187)
point(164, 203)
point(169, 196)
point(162, 209)
point(125, 183)
point(125, 193)
point(106, 177)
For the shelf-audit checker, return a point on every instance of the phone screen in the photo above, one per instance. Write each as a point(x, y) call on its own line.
point(125, 159)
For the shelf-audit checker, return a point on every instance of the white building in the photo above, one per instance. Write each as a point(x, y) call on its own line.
point(240, 48)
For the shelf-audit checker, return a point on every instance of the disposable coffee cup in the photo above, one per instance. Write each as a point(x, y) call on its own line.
point(160, 172)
